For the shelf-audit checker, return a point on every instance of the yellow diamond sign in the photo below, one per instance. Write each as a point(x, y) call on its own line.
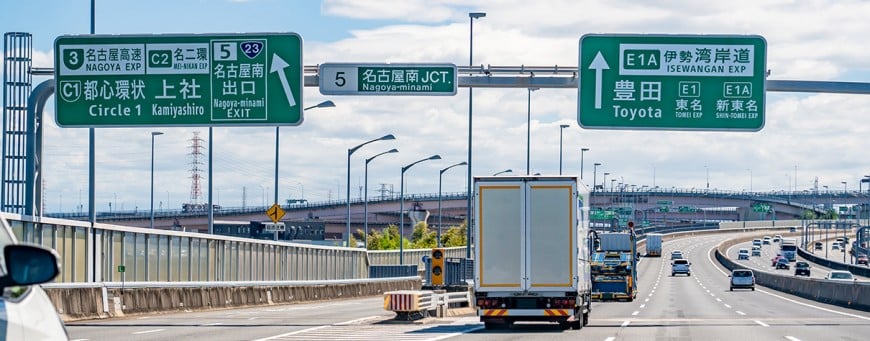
point(275, 213)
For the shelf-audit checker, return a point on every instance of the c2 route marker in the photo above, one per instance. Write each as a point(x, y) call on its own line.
point(409, 79)
point(672, 82)
point(179, 80)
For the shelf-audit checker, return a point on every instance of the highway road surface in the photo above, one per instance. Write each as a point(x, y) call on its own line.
point(696, 307)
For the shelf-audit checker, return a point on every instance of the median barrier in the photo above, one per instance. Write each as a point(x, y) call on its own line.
point(113, 299)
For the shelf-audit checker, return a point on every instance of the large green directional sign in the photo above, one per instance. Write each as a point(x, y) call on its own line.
point(179, 80)
point(672, 82)
point(388, 79)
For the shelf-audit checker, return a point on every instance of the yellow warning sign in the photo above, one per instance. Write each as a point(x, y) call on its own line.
point(275, 213)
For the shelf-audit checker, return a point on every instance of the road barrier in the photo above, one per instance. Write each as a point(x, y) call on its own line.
point(855, 295)
point(78, 301)
point(415, 304)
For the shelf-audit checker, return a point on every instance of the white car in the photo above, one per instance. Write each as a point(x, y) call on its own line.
point(676, 254)
point(840, 276)
point(743, 254)
point(26, 313)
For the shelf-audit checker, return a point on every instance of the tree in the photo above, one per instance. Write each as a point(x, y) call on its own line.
point(422, 238)
point(455, 236)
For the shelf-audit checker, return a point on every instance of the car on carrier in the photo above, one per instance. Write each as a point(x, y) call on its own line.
point(681, 266)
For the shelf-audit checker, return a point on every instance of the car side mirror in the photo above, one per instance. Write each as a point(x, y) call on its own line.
point(29, 265)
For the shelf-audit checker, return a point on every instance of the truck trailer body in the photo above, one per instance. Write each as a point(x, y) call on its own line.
point(531, 247)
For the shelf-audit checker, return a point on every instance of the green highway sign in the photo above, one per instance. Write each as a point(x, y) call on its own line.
point(672, 82)
point(178, 80)
point(388, 79)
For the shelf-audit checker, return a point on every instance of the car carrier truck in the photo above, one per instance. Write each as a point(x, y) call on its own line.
point(614, 266)
point(531, 250)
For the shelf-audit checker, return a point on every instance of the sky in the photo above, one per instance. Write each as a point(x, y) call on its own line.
point(808, 140)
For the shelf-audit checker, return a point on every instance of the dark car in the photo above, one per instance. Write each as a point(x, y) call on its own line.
point(782, 263)
point(818, 246)
point(802, 269)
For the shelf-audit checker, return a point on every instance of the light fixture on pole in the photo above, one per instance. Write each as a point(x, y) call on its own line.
point(604, 182)
point(595, 176)
point(529, 130)
point(402, 205)
point(366, 196)
point(153, 133)
point(502, 172)
point(471, 17)
point(350, 152)
point(561, 129)
point(324, 104)
point(844, 186)
point(582, 151)
point(440, 174)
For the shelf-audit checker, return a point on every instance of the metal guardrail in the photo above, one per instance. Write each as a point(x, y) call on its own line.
point(236, 284)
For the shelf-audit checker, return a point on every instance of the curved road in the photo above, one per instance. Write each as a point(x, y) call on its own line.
point(763, 263)
point(698, 307)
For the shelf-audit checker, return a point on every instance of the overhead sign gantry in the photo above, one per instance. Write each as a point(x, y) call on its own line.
point(677, 82)
point(179, 80)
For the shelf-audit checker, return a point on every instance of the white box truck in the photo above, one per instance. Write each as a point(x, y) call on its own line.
point(653, 245)
point(531, 250)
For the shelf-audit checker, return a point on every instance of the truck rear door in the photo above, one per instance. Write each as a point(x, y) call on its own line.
point(500, 235)
point(551, 236)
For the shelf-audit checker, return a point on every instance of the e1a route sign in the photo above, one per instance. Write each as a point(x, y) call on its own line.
point(409, 79)
point(672, 82)
point(179, 80)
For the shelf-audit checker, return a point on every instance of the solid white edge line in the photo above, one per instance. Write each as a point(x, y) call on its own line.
point(761, 323)
point(213, 324)
point(148, 331)
point(710, 259)
point(357, 320)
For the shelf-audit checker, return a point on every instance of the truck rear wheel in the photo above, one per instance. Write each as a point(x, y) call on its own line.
point(576, 325)
point(585, 319)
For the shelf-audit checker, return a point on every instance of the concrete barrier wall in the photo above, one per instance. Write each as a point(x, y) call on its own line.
point(854, 295)
point(79, 303)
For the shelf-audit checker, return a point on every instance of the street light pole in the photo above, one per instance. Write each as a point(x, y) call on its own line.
point(347, 196)
point(595, 175)
point(153, 133)
point(529, 130)
point(604, 182)
point(440, 174)
point(582, 151)
point(366, 197)
point(502, 172)
point(561, 128)
point(471, 17)
point(402, 205)
point(324, 104)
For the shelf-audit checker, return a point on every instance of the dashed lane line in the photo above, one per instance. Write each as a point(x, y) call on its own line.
point(761, 323)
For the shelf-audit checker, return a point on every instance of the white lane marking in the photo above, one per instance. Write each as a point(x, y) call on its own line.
point(761, 323)
point(635, 313)
point(712, 294)
point(358, 320)
point(642, 306)
point(252, 318)
point(144, 318)
point(610, 338)
point(792, 338)
point(728, 306)
point(464, 331)
point(625, 324)
point(213, 324)
point(79, 340)
point(650, 295)
point(292, 333)
point(710, 259)
point(718, 300)
point(646, 300)
point(741, 313)
point(148, 331)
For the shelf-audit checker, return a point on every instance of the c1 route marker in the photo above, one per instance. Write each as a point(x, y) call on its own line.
point(672, 82)
point(179, 80)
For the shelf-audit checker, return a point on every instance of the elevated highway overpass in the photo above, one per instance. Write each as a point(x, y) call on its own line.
point(645, 205)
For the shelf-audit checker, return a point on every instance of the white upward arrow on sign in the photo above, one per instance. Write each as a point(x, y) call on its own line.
point(598, 64)
point(278, 65)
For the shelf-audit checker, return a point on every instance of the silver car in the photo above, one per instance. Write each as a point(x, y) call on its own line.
point(742, 278)
point(26, 313)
